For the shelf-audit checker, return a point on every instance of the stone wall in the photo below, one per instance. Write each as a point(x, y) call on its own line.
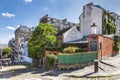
point(73, 66)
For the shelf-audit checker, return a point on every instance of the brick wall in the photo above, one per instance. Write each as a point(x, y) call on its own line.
point(47, 52)
point(107, 46)
point(104, 45)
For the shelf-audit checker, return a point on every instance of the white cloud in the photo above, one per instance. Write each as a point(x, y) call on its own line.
point(11, 36)
point(8, 14)
point(28, 1)
point(46, 8)
point(10, 27)
point(18, 26)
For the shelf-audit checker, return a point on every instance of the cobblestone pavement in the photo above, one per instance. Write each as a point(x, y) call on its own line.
point(108, 67)
point(20, 72)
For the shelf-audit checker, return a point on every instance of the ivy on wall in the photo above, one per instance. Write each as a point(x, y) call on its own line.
point(116, 46)
point(108, 24)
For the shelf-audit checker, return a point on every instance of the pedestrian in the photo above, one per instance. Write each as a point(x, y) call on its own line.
point(0, 64)
point(12, 59)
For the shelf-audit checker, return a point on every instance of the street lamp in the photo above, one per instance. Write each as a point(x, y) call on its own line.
point(94, 28)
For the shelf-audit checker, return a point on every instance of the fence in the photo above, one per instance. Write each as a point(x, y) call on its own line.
point(76, 58)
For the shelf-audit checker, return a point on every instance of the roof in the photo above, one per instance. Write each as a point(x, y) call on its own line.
point(98, 6)
point(109, 36)
point(115, 15)
point(83, 40)
point(47, 16)
point(22, 28)
point(105, 36)
point(62, 31)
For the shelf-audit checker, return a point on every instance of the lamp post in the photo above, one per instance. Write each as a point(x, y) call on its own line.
point(94, 28)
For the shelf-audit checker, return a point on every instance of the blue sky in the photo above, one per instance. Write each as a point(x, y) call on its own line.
point(29, 12)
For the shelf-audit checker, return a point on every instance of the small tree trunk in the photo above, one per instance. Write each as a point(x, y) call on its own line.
point(34, 62)
point(38, 62)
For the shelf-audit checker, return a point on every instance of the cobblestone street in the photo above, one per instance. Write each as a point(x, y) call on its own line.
point(20, 72)
point(25, 72)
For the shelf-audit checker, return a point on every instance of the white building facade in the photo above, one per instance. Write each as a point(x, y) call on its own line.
point(91, 15)
point(23, 48)
point(71, 35)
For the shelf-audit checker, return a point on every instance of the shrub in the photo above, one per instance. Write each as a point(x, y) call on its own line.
point(70, 49)
point(116, 46)
point(82, 50)
point(7, 51)
point(50, 61)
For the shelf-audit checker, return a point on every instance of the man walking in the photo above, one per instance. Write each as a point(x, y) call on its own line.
point(0, 64)
point(12, 59)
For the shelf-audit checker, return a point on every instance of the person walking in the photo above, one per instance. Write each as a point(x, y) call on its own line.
point(12, 59)
point(0, 64)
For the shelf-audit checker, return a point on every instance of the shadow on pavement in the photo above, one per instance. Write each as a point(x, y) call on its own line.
point(58, 72)
point(33, 70)
point(86, 75)
point(15, 72)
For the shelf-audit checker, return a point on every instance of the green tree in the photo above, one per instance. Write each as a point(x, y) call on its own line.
point(7, 51)
point(42, 36)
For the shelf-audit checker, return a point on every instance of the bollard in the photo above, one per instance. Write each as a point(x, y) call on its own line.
point(96, 65)
point(0, 64)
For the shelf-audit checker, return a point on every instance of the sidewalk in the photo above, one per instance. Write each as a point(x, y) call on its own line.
point(110, 66)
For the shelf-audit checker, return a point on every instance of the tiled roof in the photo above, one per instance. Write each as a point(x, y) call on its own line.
point(62, 31)
point(22, 28)
point(83, 40)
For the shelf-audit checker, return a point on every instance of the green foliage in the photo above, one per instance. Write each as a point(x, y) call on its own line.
point(42, 37)
point(7, 51)
point(108, 24)
point(81, 47)
point(52, 48)
point(50, 61)
point(116, 43)
point(78, 27)
point(82, 50)
point(70, 49)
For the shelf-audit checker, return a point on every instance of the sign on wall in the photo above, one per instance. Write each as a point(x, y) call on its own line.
point(93, 46)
